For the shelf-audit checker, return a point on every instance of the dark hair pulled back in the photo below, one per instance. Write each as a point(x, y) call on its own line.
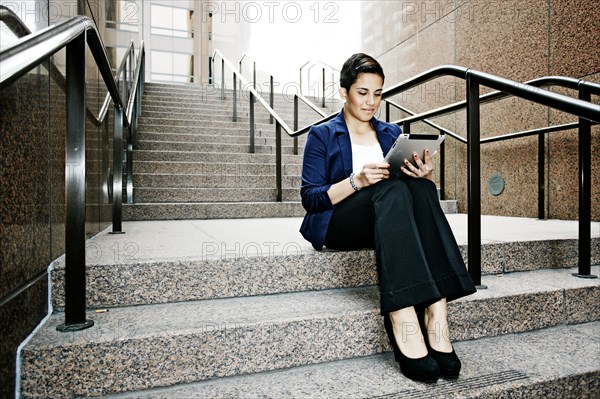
point(357, 64)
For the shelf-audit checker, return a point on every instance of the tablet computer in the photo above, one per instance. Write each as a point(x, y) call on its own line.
point(408, 144)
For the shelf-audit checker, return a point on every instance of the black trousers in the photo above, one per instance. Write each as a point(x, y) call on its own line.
point(418, 259)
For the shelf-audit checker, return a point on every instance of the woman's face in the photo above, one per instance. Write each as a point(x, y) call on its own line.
point(364, 97)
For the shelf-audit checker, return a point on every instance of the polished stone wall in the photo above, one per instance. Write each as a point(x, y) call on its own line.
point(517, 40)
point(32, 185)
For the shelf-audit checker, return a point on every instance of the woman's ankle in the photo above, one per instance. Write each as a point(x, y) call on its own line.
point(438, 330)
point(407, 332)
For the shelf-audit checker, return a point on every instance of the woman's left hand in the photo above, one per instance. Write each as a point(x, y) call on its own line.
point(423, 169)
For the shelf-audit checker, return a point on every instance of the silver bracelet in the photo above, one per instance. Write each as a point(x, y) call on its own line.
point(352, 183)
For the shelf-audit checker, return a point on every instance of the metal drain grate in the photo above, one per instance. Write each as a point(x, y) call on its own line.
point(459, 386)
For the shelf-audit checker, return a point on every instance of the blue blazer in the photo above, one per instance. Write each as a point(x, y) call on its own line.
point(328, 160)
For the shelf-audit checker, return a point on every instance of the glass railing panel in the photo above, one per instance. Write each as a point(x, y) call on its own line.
point(26, 187)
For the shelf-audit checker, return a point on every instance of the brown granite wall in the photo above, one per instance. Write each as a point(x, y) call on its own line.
point(514, 39)
point(32, 185)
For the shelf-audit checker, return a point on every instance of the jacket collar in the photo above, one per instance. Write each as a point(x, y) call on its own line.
point(385, 137)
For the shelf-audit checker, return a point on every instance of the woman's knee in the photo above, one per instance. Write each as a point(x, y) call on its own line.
point(423, 188)
point(396, 188)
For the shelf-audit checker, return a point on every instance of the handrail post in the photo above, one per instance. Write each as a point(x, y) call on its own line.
point(278, 161)
point(75, 284)
point(131, 71)
point(271, 99)
point(210, 72)
point(222, 79)
point(387, 111)
point(240, 71)
point(140, 94)
point(585, 192)
point(295, 123)
point(118, 171)
point(442, 170)
point(323, 88)
point(474, 179)
point(234, 97)
point(129, 160)
point(252, 100)
point(541, 157)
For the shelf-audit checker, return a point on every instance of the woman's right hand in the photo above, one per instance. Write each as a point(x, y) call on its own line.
point(372, 173)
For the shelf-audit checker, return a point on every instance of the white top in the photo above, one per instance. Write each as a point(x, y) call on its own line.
point(364, 154)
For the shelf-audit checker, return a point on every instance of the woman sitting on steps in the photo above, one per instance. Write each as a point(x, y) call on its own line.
point(353, 202)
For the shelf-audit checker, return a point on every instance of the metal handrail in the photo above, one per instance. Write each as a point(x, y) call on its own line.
point(313, 63)
point(317, 62)
point(587, 113)
point(533, 86)
point(34, 49)
point(322, 64)
point(13, 22)
point(546, 81)
point(253, 69)
point(17, 26)
point(426, 121)
point(252, 91)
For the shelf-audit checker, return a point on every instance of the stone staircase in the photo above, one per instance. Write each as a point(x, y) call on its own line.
point(200, 298)
point(193, 162)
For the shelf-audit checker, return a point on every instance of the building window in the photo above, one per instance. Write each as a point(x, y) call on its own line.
point(172, 67)
point(171, 21)
point(123, 15)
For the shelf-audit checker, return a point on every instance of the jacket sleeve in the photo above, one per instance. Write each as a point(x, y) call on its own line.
point(315, 174)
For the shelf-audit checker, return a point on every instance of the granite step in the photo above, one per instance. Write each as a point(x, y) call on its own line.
point(225, 129)
point(214, 92)
point(225, 108)
point(212, 137)
point(216, 128)
point(202, 194)
point(216, 180)
point(280, 102)
point(227, 116)
point(183, 260)
point(209, 136)
point(211, 210)
point(221, 168)
point(205, 156)
point(534, 364)
point(228, 150)
point(206, 122)
point(224, 112)
point(205, 103)
point(243, 118)
point(225, 210)
point(284, 108)
point(283, 103)
point(143, 347)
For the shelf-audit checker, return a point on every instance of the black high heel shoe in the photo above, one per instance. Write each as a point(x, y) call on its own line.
point(424, 369)
point(449, 363)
